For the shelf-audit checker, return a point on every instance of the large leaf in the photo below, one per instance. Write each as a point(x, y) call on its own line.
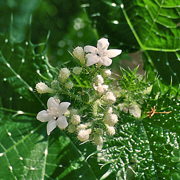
point(147, 148)
point(27, 153)
point(154, 25)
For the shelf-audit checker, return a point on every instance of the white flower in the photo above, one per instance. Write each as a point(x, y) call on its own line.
point(78, 52)
point(83, 135)
point(75, 119)
point(43, 88)
point(64, 73)
point(110, 130)
point(109, 97)
point(111, 119)
point(107, 72)
point(77, 70)
point(135, 110)
point(100, 55)
point(54, 115)
point(101, 88)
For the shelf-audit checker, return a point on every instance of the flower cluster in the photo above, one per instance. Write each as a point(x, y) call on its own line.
point(91, 101)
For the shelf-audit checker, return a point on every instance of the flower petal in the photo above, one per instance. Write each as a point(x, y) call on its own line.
point(90, 49)
point(113, 53)
point(53, 106)
point(44, 116)
point(51, 125)
point(63, 107)
point(92, 59)
point(105, 61)
point(62, 122)
point(102, 44)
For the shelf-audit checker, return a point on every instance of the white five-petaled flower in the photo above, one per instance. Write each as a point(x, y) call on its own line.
point(54, 115)
point(100, 55)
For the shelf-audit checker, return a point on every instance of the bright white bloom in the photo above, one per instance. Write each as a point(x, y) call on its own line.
point(110, 130)
point(78, 52)
point(75, 119)
point(54, 115)
point(107, 72)
point(100, 55)
point(77, 70)
point(135, 110)
point(43, 88)
point(111, 119)
point(99, 80)
point(109, 97)
point(83, 135)
point(64, 73)
point(101, 88)
point(69, 85)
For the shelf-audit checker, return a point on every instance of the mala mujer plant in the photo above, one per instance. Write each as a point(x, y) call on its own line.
point(86, 99)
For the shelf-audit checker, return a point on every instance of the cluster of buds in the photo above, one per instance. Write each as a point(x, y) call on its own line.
point(70, 82)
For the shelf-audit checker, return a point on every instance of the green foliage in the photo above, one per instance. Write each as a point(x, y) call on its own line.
point(147, 148)
point(143, 148)
point(148, 26)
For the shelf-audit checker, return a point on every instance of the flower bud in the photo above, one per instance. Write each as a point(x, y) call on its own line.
point(123, 107)
point(110, 130)
point(83, 126)
point(69, 85)
point(43, 88)
point(107, 72)
point(99, 80)
point(135, 110)
point(71, 128)
point(98, 140)
point(83, 135)
point(77, 70)
point(78, 52)
point(109, 97)
point(111, 119)
point(101, 88)
point(64, 73)
point(75, 119)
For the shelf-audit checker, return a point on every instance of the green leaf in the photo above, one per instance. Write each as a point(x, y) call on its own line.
point(153, 24)
point(146, 148)
point(27, 152)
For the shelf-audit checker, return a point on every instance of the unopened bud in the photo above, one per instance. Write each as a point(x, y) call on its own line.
point(64, 73)
point(75, 119)
point(107, 72)
point(78, 52)
point(77, 70)
point(99, 80)
point(111, 119)
point(110, 130)
point(98, 140)
point(71, 128)
point(69, 85)
point(43, 88)
point(83, 135)
point(109, 97)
